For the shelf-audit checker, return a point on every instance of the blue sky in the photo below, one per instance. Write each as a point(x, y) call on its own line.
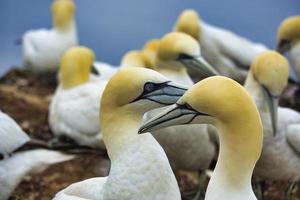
point(112, 27)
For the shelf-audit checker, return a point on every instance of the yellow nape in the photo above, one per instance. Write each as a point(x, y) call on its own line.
point(150, 49)
point(62, 13)
point(136, 58)
point(75, 66)
point(272, 71)
point(189, 22)
point(175, 43)
point(289, 30)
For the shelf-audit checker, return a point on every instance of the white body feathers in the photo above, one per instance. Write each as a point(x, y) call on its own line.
point(11, 135)
point(75, 113)
point(227, 52)
point(42, 49)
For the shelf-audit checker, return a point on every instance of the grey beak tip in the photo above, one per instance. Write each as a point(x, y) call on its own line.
point(141, 131)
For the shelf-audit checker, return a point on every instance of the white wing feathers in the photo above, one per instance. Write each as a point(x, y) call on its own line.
point(13, 169)
point(11, 135)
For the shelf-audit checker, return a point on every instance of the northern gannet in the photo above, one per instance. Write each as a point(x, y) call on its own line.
point(15, 166)
point(193, 150)
point(225, 104)
point(42, 49)
point(74, 110)
point(139, 167)
point(288, 39)
point(136, 58)
point(178, 52)
point(280, 159)
point(150, 50)
point(229, 53)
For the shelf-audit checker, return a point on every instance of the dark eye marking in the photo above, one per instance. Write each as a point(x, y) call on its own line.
point(187, 106)
point(184, 56)
point(149, 87)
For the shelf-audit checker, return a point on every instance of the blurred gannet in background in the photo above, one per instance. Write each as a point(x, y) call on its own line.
point(74, 110)
point(225, 104)
point(288, 40)
point(15, 166)
point(136, 58)
point(42, 49)
point(193, 150)
point(150, 49)
point(266, 80)
point(139, 167)
point(229, 53)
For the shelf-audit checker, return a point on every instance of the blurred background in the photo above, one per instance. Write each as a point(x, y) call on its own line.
point(112, 27)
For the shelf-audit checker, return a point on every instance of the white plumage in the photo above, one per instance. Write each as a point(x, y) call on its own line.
point(228, 52)
point(15, 168)
point(42, 49)
point(11, 135)
point(105, 70)
point(75, 113)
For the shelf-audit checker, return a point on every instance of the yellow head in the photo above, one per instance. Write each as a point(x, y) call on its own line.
point(136, 59)
point(75, 66)
point(288, 34)
point(181, 50)
point(172, 45)
point(189, 22)
point(150, 50)
point(215, 100)
point(62, 13)
point(271, 70)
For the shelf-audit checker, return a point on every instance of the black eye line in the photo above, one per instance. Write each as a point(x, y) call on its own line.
point(156, 87)
point(184, 56)
point(189, 107)
point(268, 92)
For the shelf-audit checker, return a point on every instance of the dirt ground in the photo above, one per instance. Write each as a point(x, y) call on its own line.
point(25, 97)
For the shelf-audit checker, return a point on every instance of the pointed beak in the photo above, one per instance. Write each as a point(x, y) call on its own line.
point(199, 64)
point(283, 46)
point(167, 93)
point(94, 70)
point(273, 107)
point(173, 115)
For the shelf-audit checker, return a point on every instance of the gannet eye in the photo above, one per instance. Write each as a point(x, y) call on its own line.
point(149, 87)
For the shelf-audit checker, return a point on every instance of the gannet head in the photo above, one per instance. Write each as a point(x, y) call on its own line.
point(62, 13)
point(150, 50)
point(189, 22)
point(271, 71)
point(136, 58)
point(136, 90)
point(75, 66)
point(216, 100)
point(288, 34)
point(180, 49)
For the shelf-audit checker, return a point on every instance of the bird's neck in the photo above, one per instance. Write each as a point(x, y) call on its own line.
point(175, 73)
point(240, 148)
point(120, 130)
point(256, 92)
point(70, 28)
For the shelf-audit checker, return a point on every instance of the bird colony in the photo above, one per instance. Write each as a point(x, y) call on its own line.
point(204, 102)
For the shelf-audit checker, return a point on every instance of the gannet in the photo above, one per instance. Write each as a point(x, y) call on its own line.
point(222, 102)
point(42, 49)
point(288, 39)
point(136, 58)
point(139, 167)
point(193, 150)
point(178, 52)
point(150, 50)
point(280, 158)
point(74, 110)
point(15, 166)
point(229, 53)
